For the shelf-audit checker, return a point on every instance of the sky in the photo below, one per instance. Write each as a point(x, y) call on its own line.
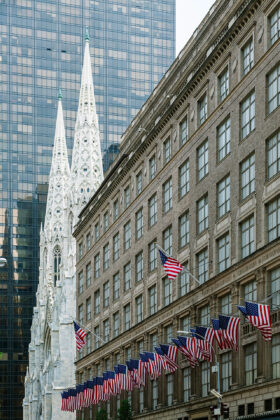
point(189, 14)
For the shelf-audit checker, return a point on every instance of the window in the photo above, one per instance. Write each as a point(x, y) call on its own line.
point(97, 302)
point(116, 209)
point(106, 257)
point(88, 274)
point(202, 266)
point(139, 266)
point(116, 286)
point(274, 23)
point(152, 256)
point(139, 224)
point(97, 266)
point(88, 240)
point(184, 178)
point(106, 330)
point(116, 247)
point(56, 264)
point(81, 282)
point(127, 276)
point(81, 314)
point(126, 197)
point(106, 221)
point(250, 363)
point(226, 371)
point(152, 167)
point(186, 384)
point(80, 250)
point(247, 110)
point(141, 399)
point(223, 139)
point(185, 323)
point(223, 192)
point(116, 324)
point(247, 56)
point(106, 294)
point(226, 304)
point(275, 348)
point(167, 291)
point(139, 308)
point(139, 183)
point(168, 333)
point(184, 283)
point(183, 131)
point(126, 312)
point(273, 219)
point(96, 337)
point(202, 160)
point(167, 240)
point(223, 82)
point(167, 195)
point(88, 306)
point(169, 383)
point(154, 394)
point(273, 155)
point(205, 379)
point(202, 214)
point(247, 237)
point(275, 287)
point(167, 150)
point(153, 299)
point(153, 340)
point(247, 175)
point(127, 236)
point(152, 210)
point(204, 315)
point(184, 229)
point(202, 109)
point(223, 253)
point(97, 231)
point(250, 291)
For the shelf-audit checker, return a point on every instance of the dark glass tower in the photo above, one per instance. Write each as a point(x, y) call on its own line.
point(133, 44)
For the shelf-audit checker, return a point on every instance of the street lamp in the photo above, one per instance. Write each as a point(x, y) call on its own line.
point(216, 369)
point(3, 262)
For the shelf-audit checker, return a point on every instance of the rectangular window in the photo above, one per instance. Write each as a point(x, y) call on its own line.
point(88, 343)
point(273, 155)
point(167, 240)
point(247, 229)
point(185, 323)
point(223, 83)
point(275, 349)
point(106, 294)
point(152, 204)
point(184, 281)
point(202, 109)
point(226, 371)
point(127, 276)
point(152, 167)
point(116, 324)
point(139, 223)
point(250, 291)
point(202, 160)
point(106, 257)
point(116, 209)
point(250, 363)
point(81, 282)
point(167, 150)
point(169, 385)
point(88, 306)
point(116, 247)
point(88, 274)
point(167, 195)
point(88, 239)
point(223, 139)
point(153, 299)
point(96, 337)
point(139, 263)
point(139, 183)
point(226, 304)
point(168, 333)
point(247, 176)
point(154, 394)
point(97, 302)
point(80, 250)
point(223, 192)
point(274, 23)
point(184, 229)
point(127, 236)
point(139, 308)
point(247, 110)
point(202, 214)
point(184, 178)
point(96, 231)
point(106, 221)
point(202, 266)
point(275, 287)
point(152, 256)
point(247, 54)
point(187, 384)
point(273, 219)
point(126, 196)
point(204, 315)
point(126, 314)
point(141, 400)
point(205, 379)
point(223, 253)
point(106, 330)
point(81, 314)
point(167, 291)
point(97, 266)
point(116, 286)
point(183, 131)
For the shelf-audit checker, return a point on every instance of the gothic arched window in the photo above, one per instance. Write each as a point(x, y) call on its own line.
point(56, 265)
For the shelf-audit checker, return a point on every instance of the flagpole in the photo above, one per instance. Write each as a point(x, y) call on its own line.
point(85, 328)
point(184, 269)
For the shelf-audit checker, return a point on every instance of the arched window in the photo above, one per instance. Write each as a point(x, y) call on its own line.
point(56, 265)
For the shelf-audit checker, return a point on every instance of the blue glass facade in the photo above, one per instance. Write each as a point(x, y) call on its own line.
point(132, 45)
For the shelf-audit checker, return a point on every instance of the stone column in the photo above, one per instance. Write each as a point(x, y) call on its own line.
point(263, 348)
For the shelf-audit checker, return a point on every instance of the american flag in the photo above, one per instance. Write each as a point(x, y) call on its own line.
point(259, 316)
point(205, 337)
point(171, 266)
point(229, 331)
point(217, 333)
point(139, 371)
point(135, 383)
point(64, 401)
point(125, 378)
point(80, 335)
point(187, 348)
point(80, 393)
point(167, 364)
point(99, 389)
point(154, 365)
point(170, 353)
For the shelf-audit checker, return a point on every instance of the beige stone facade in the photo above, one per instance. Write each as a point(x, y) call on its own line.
point(199, 174)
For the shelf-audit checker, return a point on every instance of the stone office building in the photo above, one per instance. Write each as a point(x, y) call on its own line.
point(199, 174)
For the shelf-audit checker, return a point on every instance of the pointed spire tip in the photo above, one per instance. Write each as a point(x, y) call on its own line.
point(87, 34)
point(59, 95)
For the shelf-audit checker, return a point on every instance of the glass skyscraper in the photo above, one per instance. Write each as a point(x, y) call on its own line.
point(132, 45)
